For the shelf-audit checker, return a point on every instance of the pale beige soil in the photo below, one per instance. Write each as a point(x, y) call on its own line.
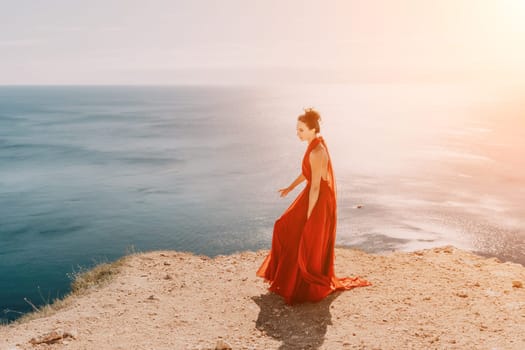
point(441, 298)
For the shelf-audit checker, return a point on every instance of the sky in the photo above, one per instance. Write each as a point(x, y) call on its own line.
point(252, 42)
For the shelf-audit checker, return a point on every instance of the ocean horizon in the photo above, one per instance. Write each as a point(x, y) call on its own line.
point(89, 172)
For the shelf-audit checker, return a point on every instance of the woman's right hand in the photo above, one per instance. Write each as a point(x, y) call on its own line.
point(284, 191)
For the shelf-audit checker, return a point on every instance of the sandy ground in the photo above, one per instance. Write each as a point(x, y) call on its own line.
point(441, 298)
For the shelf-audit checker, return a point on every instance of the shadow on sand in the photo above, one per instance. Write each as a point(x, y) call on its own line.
point(301, 326)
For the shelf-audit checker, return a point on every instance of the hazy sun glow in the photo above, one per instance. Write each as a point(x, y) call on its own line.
point(264, 42)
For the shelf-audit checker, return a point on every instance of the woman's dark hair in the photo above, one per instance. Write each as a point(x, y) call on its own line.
point(311, 118)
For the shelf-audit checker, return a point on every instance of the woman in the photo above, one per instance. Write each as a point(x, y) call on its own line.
point(300, 265)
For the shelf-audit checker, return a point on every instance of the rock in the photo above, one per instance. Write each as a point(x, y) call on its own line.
point(517, 284)
point(448, 249)
point(52, 337)
point(73, 333)
point(492, 293)
point(462, 294)
point(222, 345)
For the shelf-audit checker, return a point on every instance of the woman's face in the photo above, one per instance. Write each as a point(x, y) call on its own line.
point(303, 132)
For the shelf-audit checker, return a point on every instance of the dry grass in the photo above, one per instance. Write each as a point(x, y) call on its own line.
point(98, 275)
point(82, 281)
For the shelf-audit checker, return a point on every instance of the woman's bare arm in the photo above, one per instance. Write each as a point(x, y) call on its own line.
point(297, 181)
point(316, 162)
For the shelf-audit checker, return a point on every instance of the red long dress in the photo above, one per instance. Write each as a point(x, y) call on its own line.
point(300, 265)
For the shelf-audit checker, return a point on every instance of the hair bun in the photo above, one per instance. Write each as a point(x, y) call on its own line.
point(312, 114)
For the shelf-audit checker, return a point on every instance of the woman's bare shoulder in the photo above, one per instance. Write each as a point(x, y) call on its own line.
point(318, 152)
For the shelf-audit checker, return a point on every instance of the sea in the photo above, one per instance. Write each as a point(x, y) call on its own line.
point(91, 173)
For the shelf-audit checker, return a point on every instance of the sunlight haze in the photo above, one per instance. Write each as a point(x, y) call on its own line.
point(229, 42)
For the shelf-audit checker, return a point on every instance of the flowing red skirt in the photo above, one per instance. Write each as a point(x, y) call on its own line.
point(300, 265)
